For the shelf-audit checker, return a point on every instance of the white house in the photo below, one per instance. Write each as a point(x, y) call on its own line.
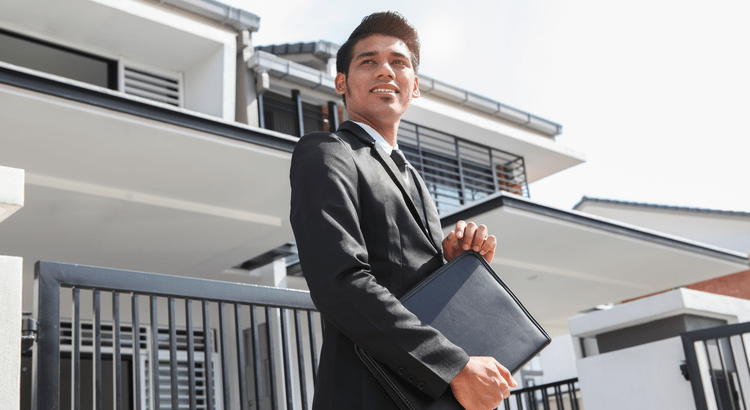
point(156, 137)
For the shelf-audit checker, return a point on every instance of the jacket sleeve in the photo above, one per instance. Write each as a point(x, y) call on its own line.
point(325, 217)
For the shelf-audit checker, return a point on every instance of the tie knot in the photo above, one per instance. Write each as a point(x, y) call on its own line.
point(398, 157)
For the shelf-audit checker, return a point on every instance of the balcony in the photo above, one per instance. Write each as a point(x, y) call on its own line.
point(457, 172)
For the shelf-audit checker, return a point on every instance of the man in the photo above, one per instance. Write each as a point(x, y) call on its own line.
point(364, 239)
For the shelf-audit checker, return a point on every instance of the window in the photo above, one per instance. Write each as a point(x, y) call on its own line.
point(280, 114)
point(458, 172)
point(54, 59)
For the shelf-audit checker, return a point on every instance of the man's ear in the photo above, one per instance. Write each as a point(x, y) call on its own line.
point(340, 82)
point(415, 93)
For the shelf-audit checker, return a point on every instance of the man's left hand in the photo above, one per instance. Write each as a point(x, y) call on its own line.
point(469, 236)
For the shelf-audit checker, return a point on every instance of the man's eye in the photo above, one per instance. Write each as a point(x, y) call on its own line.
point(402, 62)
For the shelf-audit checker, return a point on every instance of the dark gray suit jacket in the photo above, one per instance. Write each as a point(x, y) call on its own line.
point(361, 247)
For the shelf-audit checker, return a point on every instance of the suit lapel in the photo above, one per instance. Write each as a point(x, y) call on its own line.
point(433, 219)
point(395, 174)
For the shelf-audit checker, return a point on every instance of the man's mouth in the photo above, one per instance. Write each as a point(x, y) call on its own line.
point(383, 90)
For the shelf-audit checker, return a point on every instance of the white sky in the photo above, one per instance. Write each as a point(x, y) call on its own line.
point(656, 93)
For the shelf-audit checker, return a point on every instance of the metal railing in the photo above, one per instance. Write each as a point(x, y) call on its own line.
point(562, 395)
point(458, 172)
point(717, 364)
point(170, 342)
point(154, 341)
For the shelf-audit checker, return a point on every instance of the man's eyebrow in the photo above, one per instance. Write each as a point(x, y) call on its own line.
point(366, 54)
point(374, 53)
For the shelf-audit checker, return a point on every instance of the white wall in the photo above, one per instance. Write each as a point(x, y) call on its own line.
point(647, 376)
point(210, 84)
point(11, 276)
point(642, 377)
point(558, 360)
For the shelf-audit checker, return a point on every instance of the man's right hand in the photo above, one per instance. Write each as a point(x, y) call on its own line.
point(482, 384)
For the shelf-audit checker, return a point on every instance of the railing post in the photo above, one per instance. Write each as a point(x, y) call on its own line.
point(297, 99)
point(45, 389)
point(261, 112)
point(333, 116)
point(694, 372)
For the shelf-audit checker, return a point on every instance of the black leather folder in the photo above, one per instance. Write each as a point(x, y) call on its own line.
point(468, 303)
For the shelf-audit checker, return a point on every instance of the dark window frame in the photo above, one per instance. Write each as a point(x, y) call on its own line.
point(112, 65)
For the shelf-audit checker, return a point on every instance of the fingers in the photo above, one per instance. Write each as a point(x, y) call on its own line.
point(470, 236)
point(460, 226)
point(482, 384)
point(449, 246)
point(474, 237)
point(505, 373)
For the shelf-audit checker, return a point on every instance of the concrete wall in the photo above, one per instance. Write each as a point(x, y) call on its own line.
point(11, 199)
point(646, 376)
point(558, 360)
point(641, 377)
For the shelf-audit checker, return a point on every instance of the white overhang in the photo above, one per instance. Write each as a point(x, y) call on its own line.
point(11, 191)
point(130, 29)
point(115, 181)
point(449, 109)
point(560, 263)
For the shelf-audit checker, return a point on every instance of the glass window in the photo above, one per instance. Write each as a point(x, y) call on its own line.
point(49, 58)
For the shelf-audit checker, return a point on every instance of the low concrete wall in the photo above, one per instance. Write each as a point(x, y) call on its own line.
point(645, 377)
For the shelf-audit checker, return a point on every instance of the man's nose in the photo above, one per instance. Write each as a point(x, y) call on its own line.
point(385, 70)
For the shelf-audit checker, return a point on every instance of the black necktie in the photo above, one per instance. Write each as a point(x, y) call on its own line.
point(410, 179)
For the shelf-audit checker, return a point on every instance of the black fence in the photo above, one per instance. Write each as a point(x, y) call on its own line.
point(562, 395)
point(114, 339)
point(162, 342)
point(718, 366)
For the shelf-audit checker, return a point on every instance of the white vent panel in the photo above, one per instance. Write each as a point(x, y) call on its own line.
point(156, 86)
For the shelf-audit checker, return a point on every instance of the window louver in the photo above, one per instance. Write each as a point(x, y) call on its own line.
point(157, 87)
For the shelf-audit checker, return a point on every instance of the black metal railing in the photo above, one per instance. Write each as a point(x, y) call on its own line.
point(163, 342)
point(154, 341)
point(458, 172)
point(718, 366)
point(562, 395)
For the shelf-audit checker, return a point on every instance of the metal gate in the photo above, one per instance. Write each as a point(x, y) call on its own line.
point(717, 363)
point(115, 339)
point(163, 342)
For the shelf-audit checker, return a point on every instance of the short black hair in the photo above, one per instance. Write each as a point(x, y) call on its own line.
point(389, 23)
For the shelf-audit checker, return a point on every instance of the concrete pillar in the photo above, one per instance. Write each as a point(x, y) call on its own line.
point(11, 268)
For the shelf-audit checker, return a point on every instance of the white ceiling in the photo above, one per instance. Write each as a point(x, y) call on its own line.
point(110, 189)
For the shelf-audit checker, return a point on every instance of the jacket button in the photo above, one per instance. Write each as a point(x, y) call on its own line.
point(420, 385)
point(411, 378)
point(401, 371)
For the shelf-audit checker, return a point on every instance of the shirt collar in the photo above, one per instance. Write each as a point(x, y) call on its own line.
point(377, 137)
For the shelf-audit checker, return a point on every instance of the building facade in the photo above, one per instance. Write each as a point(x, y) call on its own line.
point(156, 137)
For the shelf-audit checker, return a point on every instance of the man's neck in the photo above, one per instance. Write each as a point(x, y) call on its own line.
point(387, 130)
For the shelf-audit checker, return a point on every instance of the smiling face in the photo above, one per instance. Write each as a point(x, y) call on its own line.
point(381, 81)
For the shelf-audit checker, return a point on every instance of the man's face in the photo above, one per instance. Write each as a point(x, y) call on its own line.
point(381, 80)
